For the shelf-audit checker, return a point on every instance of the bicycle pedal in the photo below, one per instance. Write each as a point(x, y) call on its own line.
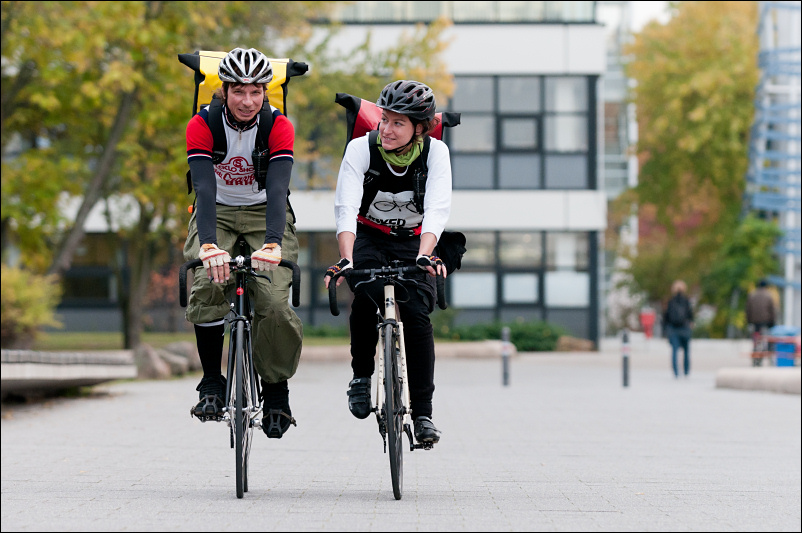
point(204, 418)
point(424, 446)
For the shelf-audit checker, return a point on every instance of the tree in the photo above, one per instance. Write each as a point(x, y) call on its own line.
point(695, 81)
point(746, 257)
point(98, 89)
point(98, 92)
point(82, 72)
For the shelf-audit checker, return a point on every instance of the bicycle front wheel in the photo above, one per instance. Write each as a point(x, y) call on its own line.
point(240, 415)
point(394, 410)
point(249, 396)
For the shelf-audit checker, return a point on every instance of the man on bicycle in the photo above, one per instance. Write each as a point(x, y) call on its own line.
point(378, 220)
point(230, 205)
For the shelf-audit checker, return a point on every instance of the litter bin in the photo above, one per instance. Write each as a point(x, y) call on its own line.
point(647, 319)
point(786, 342)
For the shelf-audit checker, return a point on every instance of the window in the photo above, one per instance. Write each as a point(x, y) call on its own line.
point(476, 133)
point(567, 289)
point(481, 249)
point(473, 289)
point(523, 132)
point(519, 171)
point(520, 288)
point(566, 251)
point(465, 12)
point(520, 249)
point(518, 134)
point(519, 94)
point(566, 94)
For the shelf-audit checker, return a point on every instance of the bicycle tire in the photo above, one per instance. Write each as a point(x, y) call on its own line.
point(250, 403)
point(239, 413)
point(393, 409)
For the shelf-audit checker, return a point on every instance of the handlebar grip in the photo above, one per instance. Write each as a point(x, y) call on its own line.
point(296, 281)
point(182, 279)
point(333, 295)
point(441, 291)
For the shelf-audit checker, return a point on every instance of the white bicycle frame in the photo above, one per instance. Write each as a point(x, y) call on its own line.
point(391, 314)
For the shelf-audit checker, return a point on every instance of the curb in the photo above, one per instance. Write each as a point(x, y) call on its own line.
point(489, 349)
point(782, 380)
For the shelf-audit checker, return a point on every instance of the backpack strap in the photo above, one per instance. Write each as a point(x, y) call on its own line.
point(419, 183)
point(220, 146)
point(215, 121)
point(369, 186)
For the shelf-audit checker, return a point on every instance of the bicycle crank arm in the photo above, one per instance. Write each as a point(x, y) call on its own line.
point(412, 445)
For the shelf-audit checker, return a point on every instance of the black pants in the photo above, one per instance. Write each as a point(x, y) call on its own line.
point(415, 301)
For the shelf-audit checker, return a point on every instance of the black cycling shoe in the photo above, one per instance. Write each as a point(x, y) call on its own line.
point(359, 397)
point(212, 399)
point(425, 432)
point(277, 414)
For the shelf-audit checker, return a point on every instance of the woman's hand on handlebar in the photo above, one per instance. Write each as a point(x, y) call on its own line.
point(432, 264)
point(342, 265)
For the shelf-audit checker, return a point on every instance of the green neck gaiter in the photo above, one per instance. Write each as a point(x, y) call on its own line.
point(400, 160)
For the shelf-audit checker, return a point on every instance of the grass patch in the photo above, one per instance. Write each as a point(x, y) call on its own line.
point(101, 340)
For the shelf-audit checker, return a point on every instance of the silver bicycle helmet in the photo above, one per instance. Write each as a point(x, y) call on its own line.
point(245, 66)
point(411, 98)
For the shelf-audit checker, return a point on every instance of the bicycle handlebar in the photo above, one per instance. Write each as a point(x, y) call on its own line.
point(386, 272)
point(246, 265)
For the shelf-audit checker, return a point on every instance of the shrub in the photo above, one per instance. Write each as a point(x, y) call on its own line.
point(28, 303)
point(530, 336)
point(325, 330)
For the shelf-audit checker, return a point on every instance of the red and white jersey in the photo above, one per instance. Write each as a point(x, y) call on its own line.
point(235, 175)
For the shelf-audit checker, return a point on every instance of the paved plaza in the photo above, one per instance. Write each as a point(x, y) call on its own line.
point(563, 447)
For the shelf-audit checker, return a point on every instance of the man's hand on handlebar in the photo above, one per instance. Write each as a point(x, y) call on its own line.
point(342, 265)
point(215, 261)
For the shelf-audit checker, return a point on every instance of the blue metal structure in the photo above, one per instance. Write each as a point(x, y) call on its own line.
point(773, 178)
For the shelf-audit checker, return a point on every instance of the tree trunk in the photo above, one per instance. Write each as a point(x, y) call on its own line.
point(66, 247)
point(142, 256)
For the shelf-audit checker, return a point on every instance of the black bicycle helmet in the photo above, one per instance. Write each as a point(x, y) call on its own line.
point(411, 98)
point(245, 66)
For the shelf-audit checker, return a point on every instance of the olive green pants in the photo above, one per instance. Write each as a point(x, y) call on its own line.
point(277, 331)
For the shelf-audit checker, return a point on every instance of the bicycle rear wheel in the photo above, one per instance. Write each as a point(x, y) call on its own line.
point(240, 417)
point(393, 409)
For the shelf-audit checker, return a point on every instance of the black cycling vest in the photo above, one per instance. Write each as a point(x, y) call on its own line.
point(379, 178)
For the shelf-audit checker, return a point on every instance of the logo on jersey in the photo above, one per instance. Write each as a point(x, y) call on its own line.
point(236, 171)
point(394, 210)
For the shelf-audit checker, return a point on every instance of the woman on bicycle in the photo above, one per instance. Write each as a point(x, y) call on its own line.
point(230, 205)
point(378, 221)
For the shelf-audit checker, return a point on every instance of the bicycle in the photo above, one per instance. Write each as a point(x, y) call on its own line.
point(392, 385)
point(244, 403)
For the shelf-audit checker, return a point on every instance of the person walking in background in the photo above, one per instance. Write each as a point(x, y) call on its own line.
point(760, 309)
point(678, 322)
point(760, 315)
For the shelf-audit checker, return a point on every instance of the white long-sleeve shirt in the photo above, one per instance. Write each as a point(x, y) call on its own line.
point(436, 201)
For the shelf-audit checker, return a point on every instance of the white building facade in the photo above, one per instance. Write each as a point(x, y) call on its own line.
point(527, 160)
